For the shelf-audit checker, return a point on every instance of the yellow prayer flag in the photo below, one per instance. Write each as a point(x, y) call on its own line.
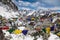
point(17, 31)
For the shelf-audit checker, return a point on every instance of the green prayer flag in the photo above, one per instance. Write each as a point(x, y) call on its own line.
point(11, 30)
point(44, 30)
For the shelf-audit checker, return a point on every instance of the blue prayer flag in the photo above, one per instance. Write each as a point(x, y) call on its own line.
point(24, 32)
point(52, 28)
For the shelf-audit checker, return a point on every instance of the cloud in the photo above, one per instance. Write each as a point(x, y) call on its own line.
point(39, 4)
point(31, 1)
point(24, 8)
point(52, 2)
point(26, 4)
point(55, 8)
point(46, 2)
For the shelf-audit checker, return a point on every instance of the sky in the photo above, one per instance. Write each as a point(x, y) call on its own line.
point(38, 4)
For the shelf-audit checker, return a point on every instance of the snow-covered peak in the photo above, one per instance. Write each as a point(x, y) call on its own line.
point(7, 12)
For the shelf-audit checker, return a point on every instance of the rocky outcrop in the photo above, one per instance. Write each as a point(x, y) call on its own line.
point(10, 4)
